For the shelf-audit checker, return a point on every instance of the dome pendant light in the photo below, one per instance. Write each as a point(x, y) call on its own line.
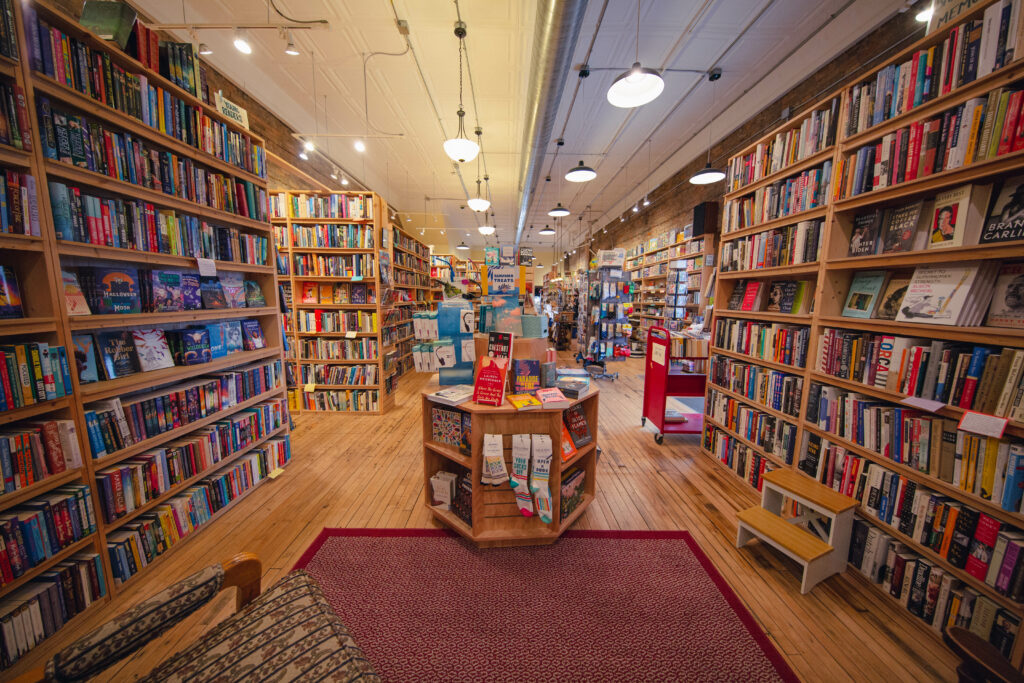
point(559, 211)
point(479, 203)
point(460, 148)
point(580, 174)
point(709, 174)
point(462, 246)
point(640, 84)
point(546, 230)
point(488, 227)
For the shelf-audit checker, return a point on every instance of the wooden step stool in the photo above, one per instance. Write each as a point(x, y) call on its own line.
point(819, 559)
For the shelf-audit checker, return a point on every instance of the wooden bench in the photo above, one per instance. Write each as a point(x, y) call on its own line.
point(819, 558)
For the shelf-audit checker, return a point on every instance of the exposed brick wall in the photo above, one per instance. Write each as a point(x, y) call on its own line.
point(673, 200)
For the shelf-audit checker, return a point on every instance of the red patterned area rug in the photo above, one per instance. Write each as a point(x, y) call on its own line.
point(426, 605)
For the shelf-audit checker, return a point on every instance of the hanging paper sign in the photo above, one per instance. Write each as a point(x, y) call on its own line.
point(507, 256)
point(613, 258)
point(526, 256)
point(491, 256)
point(503, 280)
point(231, 110)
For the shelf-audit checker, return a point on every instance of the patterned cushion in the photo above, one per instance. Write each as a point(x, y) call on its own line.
point(125, 633)
point(289, 633)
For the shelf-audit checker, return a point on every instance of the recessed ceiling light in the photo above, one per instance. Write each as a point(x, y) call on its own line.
point(359, 145)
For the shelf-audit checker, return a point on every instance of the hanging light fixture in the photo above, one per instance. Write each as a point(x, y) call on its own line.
point(559, 211)
point(479, 202)
point(647, 202)
point(640, 84)
point(546, 230)
point(636, 207)
point(344, 180)
point(290, 49)
point(580, 173)
point(462, 246)
point(709, 174)
point(925, 15)
point(204, 49)
point(359, 145)
point(242, 42)
point(486, 229)
point(460, 148)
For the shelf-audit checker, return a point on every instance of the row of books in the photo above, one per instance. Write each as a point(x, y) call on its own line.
point(134, 545)
point(318, 206)
point(803, 192)
point(93, 73)
point(773, 434)
point(352, 265)
point(41, 527)
point(141, 226)
point(8, 35)
point(94, 145)
point(337, 293)
point(983, 466)
point(404, 260)
point(111, 355)
point(786, 344)
point(985, 379)
point(816, 132)
point(330, 236)
point(339, 349)
point(32, 451)
point(114, 424)
point(37, 610)
point(134, 482)
point(970, 51)
point(33, 373)
point(980, 129)
point(19, 203)
point(404, 278)
point(788, 246)
point(391, 335)
point(420, 251)
point(778, 296)
point(321, 373)
point(15, 128)
point(927, 589)
point(337, 400)
point(774, 389)
point(336, 321)
point(750, 465)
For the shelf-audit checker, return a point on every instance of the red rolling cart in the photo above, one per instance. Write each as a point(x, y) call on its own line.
point(662, 381)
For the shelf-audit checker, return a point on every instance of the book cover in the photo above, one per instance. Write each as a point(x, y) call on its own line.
point(166, 291)
point(117, 290)
point(86, 359)
point(572, 491)
point(10, 294)
point(1007, 307)
point(212, 293)
point(862, 296)
point(190, 295)
point(892, 296)
point(937, 294)
point(776, 293)
point(453, 395)
point(864, 239)
point(552, 398)
point(1005, 221)
point(254, 295)
point(567, 448)
point(117, 350)
point(901, 226)
point(152, 349)
point(753, 296)
point(446, 426)
point(195, 346)
point(576, 422)
point(74, 299)
point(233, 285)
point(232, 336)
point(252, 335)
point(524, 401)
point(492, 370)
point(358, 294)
point(957, 216)
point(737, 295)
point(525, 376)
point(218, 344)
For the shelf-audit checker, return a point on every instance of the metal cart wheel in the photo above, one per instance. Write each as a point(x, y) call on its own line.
point(643, 421)
point(659, 438)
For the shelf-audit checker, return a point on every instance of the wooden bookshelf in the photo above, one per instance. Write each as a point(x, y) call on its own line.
point(829, 273)
point(414, 291)
point(296, 236)
point(38, 261)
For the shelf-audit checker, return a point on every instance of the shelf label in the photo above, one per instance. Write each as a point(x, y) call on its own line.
point(350, 335)
point(922, 403)
point(207, 268)
point(310, 387)
point(357, 278)
point(658, 353)
point(985, 425)
point(275, 473)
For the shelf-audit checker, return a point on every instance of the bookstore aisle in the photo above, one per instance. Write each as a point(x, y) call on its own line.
point(642, 486)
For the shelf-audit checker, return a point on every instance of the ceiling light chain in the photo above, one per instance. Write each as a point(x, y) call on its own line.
point(460, 148)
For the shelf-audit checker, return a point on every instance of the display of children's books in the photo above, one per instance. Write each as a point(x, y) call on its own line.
point(116, 290)
point(190, 294)
point(233, 285)
point(218, 344)
point(10, 294)
point(212, 293)
point(252, 335)
point(74, 298)
point(190, 346)
point(152, 349)
point(117, 349)
point(232, 336)
point(87, 359)
point(166, 290)
point(254, 295)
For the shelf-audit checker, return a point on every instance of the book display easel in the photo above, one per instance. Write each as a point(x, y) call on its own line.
point(898, 382)
point(335, 254)
point(142, 387)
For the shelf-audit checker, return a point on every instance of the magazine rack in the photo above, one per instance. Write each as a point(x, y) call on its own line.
point(662, 381)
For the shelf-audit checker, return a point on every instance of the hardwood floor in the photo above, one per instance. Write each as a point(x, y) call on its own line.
point(367, 472)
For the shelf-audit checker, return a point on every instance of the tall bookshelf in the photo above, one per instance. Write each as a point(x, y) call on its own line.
point(37, 260)
point(414, 291)
point(798, 340)
point(344, 356)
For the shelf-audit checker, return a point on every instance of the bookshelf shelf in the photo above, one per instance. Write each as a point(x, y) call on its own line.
point(30, 411)
point(798, 167)
point(791, 219)
point(325, 221)
point(789, 318)
point(93, 322)
point(753, 402)
point(746, 442)
point(9, 500)
point(96, 251)
point(342, 307)
point(19, 326)
point(450, 453)
point(992, 335)
point(14, 157)
point(798, 269)
point(21, 242)
point(44, 566)
point(910, 258)
point(337, 335)
point(792, 369)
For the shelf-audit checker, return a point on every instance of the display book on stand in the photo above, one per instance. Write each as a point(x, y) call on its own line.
point(141, 376)
point(900, 385)
point(510, 457)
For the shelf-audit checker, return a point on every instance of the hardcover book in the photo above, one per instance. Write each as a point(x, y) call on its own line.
point(958, 215)
point(572, 491)
point(524, 401)
point(232, 336)
point(212, 293)
point(864, 240)
point(453, 395)
point(567, 448)
point(152, 349)
point(863, 294)
point(117, 290)
point(252, 335)
point(937, 294)
point(117, 349)
point(74, 299)
point(10, 294)
point(576, 422)
point(446, 426)
point(195, 346)
point(254, 295)
point(552, 398)
point(492, 370)
point(892, 296)
point(358, 294)
point(1007, 307)
point(87, 359)
point(525, 376)
point(190, 294)
point(901, 226)
point(233, 285)
point(218, 344)
point(166, 290)
point(1005, 222)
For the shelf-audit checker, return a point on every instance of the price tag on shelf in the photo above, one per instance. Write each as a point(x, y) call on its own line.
point(350, 335)
point(357, 278)
point(207, 268)
point(985, 425)
point(310, 387)
point(275, 473)
point(923, 403)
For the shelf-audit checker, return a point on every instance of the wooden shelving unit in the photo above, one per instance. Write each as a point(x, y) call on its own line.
point(829, 274)
point(496, 521)
point(299, 236)
point(415, 291)
point(38, 260)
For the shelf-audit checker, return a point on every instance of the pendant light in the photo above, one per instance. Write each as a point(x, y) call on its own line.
point(462, 246)
point(290, 49)
point(460, 148)
point(580, 173)
point(559, 211)
point(709, 174)
point(242, 42)
point(546, 230)
point(488, 227)
point(479, 202)
point(640, 84)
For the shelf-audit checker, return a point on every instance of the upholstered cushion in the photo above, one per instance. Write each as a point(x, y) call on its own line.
point(289, 633)
point(125, 633)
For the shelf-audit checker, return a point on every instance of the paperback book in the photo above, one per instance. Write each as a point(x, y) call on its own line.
point(10, 294)
point(1007, 307)
point(117, 350)
point(492, 370)
point(74, 299)
point(1005, 222)
point(863, 295)
point(152, 349)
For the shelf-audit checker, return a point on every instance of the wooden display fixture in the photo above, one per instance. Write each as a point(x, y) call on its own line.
point(415, 291)
point(38, 260)
point(497, 521)
point(829, 274)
